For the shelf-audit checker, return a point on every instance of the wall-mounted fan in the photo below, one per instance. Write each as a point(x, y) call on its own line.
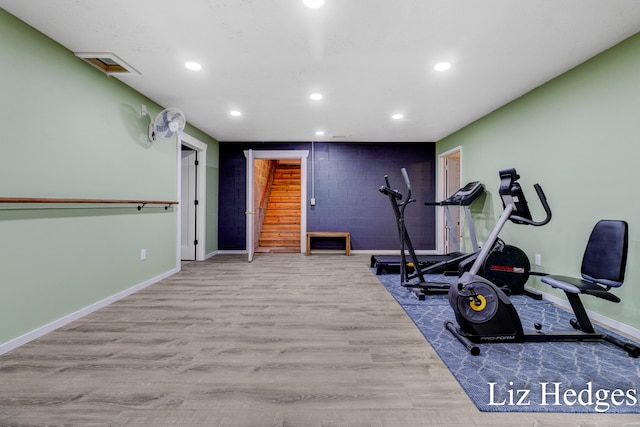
point(166, 124)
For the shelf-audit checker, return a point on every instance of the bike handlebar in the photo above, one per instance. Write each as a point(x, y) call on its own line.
point(545, 205)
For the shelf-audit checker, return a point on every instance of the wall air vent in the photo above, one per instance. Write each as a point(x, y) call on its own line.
point(108, 63)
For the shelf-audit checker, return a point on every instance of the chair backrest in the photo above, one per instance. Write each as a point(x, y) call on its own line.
point(605, 257)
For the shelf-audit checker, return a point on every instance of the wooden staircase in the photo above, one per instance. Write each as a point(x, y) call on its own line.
point(281, 226)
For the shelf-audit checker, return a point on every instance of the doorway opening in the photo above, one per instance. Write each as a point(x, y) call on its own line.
point(192, 166)
point(450, 166)
point(259, 162)
point(278, 208)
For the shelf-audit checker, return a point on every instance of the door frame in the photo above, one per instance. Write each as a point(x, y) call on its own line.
point(250, 209)
point(441, 194)
point(201, 171)
point(302, 155)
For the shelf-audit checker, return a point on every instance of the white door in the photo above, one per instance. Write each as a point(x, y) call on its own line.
point(187, 206)
point(249, 212)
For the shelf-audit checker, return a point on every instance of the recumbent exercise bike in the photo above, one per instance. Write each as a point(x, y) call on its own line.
point(486, 315)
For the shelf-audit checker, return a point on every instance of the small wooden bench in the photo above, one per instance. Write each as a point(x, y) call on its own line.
point(345, 234)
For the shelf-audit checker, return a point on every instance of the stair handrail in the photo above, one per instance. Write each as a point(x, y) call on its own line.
point(272, 172)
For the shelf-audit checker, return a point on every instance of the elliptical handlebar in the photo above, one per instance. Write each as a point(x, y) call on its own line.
point(408, 200)
point(395, 194)
point(389, 192)
point(407, 182)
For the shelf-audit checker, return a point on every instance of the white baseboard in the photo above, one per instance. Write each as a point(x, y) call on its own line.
point(50, 327)
point(211, 254)
point(356, 251)
point(392, 252)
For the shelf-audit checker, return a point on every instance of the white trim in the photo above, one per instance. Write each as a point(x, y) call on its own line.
point(391, 252)
point(249, 206)
point(65, 320)
point(441, 194)
point(211, 254)
point(201, 148)
point(280, 154)
point(292, 154)
point(366, 252)
point(355, 252)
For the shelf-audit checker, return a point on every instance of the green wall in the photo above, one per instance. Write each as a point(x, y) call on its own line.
point(578, 137)
point(70, 131)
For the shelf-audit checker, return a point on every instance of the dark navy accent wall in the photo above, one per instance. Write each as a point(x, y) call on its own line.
point(347, 179)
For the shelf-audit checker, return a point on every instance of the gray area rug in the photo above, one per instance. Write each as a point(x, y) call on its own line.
point(528, 377)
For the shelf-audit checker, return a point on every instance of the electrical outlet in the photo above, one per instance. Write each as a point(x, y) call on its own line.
point(313, 201)
point(538, 260)
point(143, 254)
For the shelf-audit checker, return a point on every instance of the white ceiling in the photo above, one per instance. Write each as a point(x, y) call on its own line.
point(369, 58)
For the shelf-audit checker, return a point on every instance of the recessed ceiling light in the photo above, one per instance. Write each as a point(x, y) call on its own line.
point(442, 66)
point(313, 4)
point(319, 133)
point(235, 113)
point(193, 66)
point(315, 96)
point(397, 116)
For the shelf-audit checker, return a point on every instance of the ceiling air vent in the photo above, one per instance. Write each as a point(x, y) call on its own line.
point(108, 63)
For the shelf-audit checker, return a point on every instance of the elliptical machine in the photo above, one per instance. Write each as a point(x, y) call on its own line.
point(426, 264)
point(486, 315)
point(399, 205)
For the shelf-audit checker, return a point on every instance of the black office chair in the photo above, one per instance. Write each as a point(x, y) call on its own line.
point(603, 267)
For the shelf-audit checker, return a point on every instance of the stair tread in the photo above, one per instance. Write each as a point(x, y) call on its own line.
point(285, 213)
point(285, 194)
point(280, 226)
point(282, 212)
point(279, 243)
point(285, 200)
point(283, 206)
point(281, 233)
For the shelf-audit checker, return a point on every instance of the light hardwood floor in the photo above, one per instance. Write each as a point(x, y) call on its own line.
point(287, 340)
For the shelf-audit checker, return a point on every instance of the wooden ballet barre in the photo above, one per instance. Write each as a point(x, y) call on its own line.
point(50, 200)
